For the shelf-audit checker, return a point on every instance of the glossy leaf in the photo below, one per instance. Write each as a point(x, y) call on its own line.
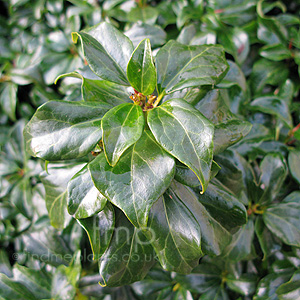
point(267, 286)
point(203, 278)
point(186, 134)
point(37, 281)
point(128, 257)
point(273, 174)
point(99, 229)
point(122, 126)
point(214, 237)
point(283, 219)
point(267, 72)
point(174, 233)
point(240, 246)
point(65, 280)
point(104, 57)
point(229, 128)
point(180, 66)
point(44, 243)
point(8, 100)
point(100, 90)
point(145, 164)
point(140, 31)
point(291, 289)
point(293, 160)
point(245, 284)
point(223, 206)
point(10, 289)
point(274, 106)
point(84, 200)
point(65, 130)
point(268, 242)
point(55, 183)
point(275, 52)
point(141, 71)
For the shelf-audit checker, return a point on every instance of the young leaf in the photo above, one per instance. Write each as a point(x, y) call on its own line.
point(141, 71)
point(99, 229)
point(180, 66)
point(65, 130)
point(128, 257)
point(122, 127)
point(84, 200)
point(140, 177)
point(185, 133)
point(107, 51)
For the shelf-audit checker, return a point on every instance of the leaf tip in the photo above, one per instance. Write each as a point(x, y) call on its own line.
point(75, 36)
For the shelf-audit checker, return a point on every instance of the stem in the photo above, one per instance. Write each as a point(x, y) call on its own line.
point(160, 96)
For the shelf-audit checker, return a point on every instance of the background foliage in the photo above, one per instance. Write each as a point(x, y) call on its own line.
point(38, 260)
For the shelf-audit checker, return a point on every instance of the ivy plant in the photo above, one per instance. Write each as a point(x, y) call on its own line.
point(144, 150)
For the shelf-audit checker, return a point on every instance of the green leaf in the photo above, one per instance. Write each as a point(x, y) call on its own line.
point(55, 183)
point(269, 243)
point(37, 281)
point(128, 257)
point(274, 106)
point(204, 277)
point(100, 90)
point(283, 219)
point(174, 233)
point(99, 229)
point(44, 243)
point(186, 134)
point(223, 206)
point(5, 266)
point(218, 293)
point(214, 237)
point(180, 66)
point(107, 51)
point(275, 52)
point(273, 173)
point(10, 289)
point(266, 289)
point(240, 247)
point(291, 289)
point(229, 128)
point(187, 177)
point(267, 72)
point(65, 280)
point(294, 165)
point(122, 126)
point(236, 42)
point(84, 200)
point(244, 284)
point(8, 99)
point(140, 177)
point(146, 14)
point(65, 130)
point(140, 31)
point(141, 71)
